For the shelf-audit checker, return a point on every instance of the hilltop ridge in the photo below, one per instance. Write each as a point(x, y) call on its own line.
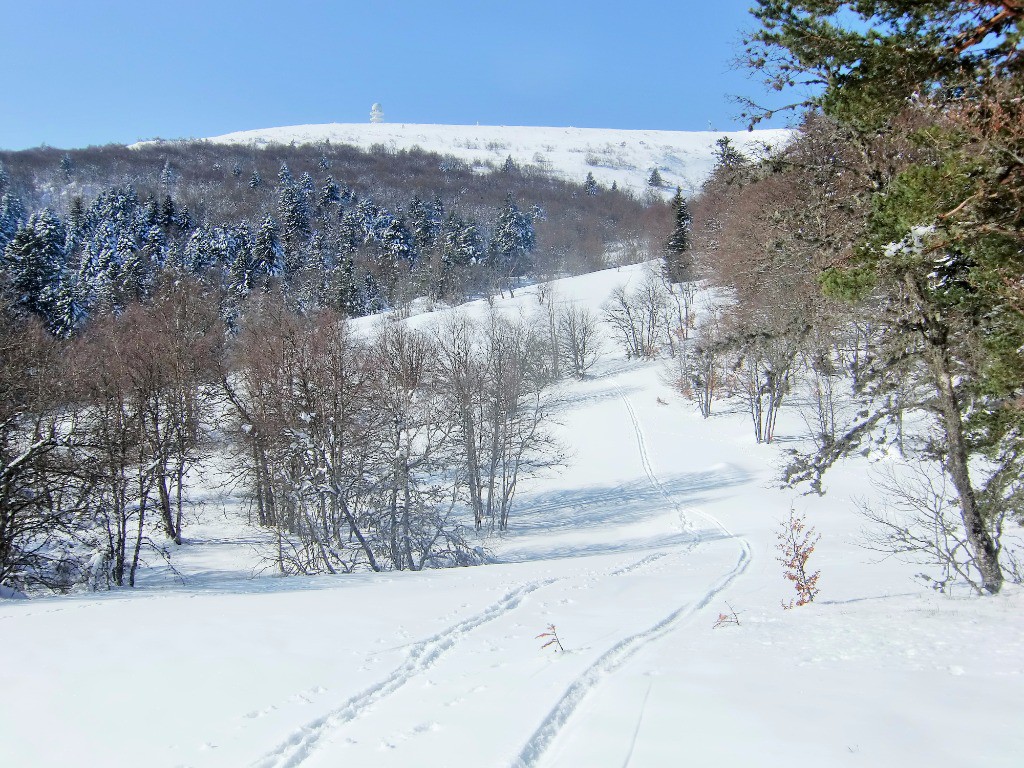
point(625, 157)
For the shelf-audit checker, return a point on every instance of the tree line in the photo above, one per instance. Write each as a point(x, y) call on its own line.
point(879, 256)
point(88, 232)
point(167, 303)
point(358, 444)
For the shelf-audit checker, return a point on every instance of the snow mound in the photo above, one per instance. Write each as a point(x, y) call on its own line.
point(625, 157)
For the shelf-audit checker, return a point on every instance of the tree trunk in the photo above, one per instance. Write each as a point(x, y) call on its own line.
point(166, 511)
point(983, 547)
point(180, 479)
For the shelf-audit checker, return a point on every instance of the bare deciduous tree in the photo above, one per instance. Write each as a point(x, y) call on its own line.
point(366, 452)
point(638, 316)
point(41, 492)
point(495, 379)
point(579, 343)
point(917, 520)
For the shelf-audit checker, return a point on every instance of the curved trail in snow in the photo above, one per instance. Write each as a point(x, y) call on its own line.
point(302, 743)
point(641, 444)
point(645, 459)
point(423, 655)
point(558, 718)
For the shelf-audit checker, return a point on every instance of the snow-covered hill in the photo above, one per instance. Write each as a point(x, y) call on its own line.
point(626, 157)
point(660, 521)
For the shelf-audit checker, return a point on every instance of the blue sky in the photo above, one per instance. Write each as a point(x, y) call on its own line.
point(80, 72)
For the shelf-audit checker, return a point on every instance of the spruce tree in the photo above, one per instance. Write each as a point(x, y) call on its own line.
point(293, 209)
point(241, 273)
point(34, 263)
point(168, 214)
point(184, 219)
point(512, 240)
point(12, 217)
point(151, 215)
point(67, 313)
point(397, 244)
point(75, 224)
point(424, 223)
point(267, 254)
point(678, 257)
point(330, 194)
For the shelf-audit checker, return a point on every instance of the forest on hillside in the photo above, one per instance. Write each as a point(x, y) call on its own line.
point(171, 303)
point(881, 253)
point(89, 231)
point(167, 301)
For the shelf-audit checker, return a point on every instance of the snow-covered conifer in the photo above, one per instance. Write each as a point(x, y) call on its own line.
point(267, 254)
point(12, 217)
point(678, 258)
point(34, 262)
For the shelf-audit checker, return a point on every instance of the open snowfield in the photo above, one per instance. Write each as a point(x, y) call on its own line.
point(626, 157)
point(660, 521)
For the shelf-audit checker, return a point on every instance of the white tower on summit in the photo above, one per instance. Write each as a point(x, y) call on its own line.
point(376, 114)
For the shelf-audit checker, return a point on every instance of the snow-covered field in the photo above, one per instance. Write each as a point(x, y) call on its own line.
point(661, 521)
point(626, 157)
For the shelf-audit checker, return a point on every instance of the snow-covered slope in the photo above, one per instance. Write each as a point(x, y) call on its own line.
point(683, 158)
point(660, 521)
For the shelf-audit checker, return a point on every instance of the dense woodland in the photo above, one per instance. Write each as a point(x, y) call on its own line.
point(876, 263)
point(165, 303)
point(90, 231)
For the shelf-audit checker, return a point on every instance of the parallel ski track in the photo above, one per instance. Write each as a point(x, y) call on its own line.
point(641, 563)
point(645, 459)
point(556, 720)
point(423, 655)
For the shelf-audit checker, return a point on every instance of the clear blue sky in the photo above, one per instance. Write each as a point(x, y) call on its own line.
point(80, 72)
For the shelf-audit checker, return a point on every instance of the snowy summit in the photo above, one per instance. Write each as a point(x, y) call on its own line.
point(625, 157)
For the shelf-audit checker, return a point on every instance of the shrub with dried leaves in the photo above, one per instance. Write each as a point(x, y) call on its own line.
point(796, 545)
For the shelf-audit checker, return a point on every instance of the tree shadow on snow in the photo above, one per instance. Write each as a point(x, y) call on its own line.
point(585, 510)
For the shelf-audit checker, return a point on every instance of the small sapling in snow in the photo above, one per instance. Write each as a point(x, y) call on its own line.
point(552, 638)
point(725, 619)
point(796, 545)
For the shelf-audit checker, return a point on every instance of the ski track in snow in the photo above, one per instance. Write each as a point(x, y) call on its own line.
point(558, 718)
point(423, 655)
point(649, 470)
point(645, 460)
point(645, 457)
point(641, 563)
